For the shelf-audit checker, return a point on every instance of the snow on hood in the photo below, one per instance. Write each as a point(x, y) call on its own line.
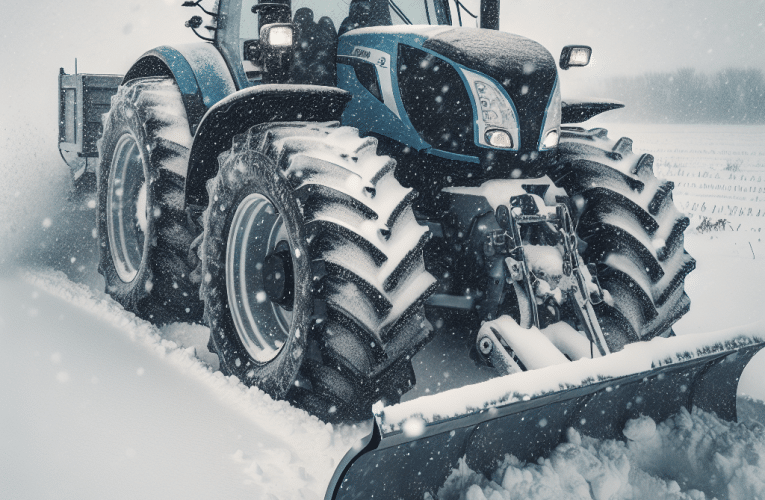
point(524, 68)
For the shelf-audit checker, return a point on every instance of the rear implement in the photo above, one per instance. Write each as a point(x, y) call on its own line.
point(527, 414)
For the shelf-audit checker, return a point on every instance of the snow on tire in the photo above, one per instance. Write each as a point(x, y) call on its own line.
point(143, 232)
point(313, 275)
point(633, 231)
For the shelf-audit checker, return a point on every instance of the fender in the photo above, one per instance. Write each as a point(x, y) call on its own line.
point(199, 70)
point(578, 111)
point(246, 108)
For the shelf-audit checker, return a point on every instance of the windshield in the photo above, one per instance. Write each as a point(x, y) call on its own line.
point(425, 12)
point(352, 14)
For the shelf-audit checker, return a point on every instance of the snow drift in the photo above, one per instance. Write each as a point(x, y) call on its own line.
point(296, 454)
point(689, 456)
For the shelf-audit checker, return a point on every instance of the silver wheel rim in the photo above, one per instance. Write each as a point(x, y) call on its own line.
point(126, 217)
point(262, 325)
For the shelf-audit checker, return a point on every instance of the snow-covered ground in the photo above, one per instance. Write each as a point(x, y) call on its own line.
point(99, 404)
point(690, 456)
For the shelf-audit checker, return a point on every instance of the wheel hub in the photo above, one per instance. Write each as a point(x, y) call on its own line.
point(279, 279)
point(126, 208)
point(259, 277)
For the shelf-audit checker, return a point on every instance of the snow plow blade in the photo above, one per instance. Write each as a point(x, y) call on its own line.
point(414, 446)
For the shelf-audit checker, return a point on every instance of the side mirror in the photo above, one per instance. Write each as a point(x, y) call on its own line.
point(194, 23)
point(575, 55)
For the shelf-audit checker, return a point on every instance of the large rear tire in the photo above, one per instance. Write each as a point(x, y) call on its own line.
point(633, 231)
point(313, 276)
point(143, 232)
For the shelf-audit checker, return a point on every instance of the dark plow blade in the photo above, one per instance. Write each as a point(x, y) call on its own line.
point(395, 466)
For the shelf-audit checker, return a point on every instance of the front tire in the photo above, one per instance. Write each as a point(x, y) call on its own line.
point(313, 277)
point(633, 231)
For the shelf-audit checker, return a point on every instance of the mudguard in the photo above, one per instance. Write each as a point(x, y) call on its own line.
point(249, 107)
point(527, 414)
point(199, 70)
point(576, 111)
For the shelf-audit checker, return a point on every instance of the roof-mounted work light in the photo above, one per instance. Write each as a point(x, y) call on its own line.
point(575, 55)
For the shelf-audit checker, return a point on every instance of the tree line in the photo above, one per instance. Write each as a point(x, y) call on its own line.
point(732, 95)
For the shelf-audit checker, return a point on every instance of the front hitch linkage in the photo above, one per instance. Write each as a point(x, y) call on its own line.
point(507, 243)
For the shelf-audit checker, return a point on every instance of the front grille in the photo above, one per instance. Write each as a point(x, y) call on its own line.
point(436, 101)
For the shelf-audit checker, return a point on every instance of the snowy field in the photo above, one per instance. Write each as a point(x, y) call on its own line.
point(99, 404)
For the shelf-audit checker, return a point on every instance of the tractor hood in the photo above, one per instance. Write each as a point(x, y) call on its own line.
point(523, 67)
point(423, 78)
point(512, 60)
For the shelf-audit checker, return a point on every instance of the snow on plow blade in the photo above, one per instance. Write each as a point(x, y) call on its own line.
point(414, 445)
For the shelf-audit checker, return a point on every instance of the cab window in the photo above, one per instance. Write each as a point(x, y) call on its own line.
point(351, 14)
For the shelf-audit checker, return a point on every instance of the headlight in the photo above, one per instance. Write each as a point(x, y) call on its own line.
point(580, 56)
point(499, 139)
point(277, 36)
point(550, 140)
point(575, 55)
point(497, 120)
point(550, 135)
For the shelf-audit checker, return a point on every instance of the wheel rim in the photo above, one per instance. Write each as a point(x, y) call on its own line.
point(258, 246)
point(126, 205)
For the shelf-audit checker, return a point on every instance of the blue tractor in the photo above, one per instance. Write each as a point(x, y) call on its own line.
point(331, 185)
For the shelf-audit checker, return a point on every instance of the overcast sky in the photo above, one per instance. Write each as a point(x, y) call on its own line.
point(638, 36)
point(627, 36)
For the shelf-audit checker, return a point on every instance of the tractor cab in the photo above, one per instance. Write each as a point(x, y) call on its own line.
point(302, 34)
